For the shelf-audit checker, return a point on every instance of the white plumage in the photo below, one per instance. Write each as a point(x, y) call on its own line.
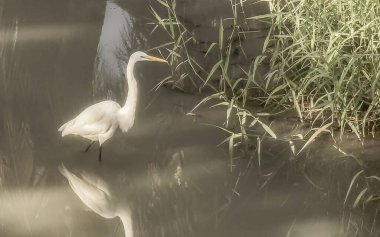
point(96, 123)
point(100, 121)
point(94, 193)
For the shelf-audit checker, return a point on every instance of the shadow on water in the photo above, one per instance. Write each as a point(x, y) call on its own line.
point(169, 170)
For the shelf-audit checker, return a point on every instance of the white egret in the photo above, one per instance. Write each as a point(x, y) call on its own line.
point(94, 193)
point(100, 121)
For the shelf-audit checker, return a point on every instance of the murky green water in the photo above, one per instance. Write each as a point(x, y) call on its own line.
point(58, 57)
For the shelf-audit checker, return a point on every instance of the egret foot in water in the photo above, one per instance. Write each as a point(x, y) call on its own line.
point(89, 146)
point(100, 154)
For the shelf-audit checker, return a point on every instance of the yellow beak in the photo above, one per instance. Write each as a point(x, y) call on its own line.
point(151, 58)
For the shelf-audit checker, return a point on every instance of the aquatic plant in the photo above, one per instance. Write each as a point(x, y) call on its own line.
point(325, 62)
point(323, 57)
point(324, 66)
point(216, 81)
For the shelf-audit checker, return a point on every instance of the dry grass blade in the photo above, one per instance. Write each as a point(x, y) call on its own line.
point(315, 135)
point(351, 184)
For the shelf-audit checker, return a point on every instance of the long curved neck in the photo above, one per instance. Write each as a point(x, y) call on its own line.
point(131, 101)
point(126, 218)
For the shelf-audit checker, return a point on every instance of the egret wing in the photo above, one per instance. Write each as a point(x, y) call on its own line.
point(93, 120)
point(93, 196)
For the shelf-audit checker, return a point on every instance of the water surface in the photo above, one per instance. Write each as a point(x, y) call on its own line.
point(58, 57)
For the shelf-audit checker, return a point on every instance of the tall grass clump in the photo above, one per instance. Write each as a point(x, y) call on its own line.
point(325, 62)
point(215, 78)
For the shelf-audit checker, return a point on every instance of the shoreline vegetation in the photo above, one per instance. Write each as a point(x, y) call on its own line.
point(216, 80)
point(322, 63)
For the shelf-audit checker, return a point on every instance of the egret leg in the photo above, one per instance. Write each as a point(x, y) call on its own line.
point(100, 153)
point(89, 146)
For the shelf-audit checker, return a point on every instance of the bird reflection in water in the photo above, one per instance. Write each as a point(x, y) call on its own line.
point(95, 194)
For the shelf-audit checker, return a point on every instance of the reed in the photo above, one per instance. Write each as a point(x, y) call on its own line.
point(324, 65)
point(325, 62)
point(221, 88)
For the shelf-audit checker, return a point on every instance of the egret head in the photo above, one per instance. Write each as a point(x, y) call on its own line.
point(141, 56)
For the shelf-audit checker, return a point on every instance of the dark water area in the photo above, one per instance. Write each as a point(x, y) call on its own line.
point(169, 172)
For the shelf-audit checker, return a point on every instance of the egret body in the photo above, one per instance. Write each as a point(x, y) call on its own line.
point(99, 122)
